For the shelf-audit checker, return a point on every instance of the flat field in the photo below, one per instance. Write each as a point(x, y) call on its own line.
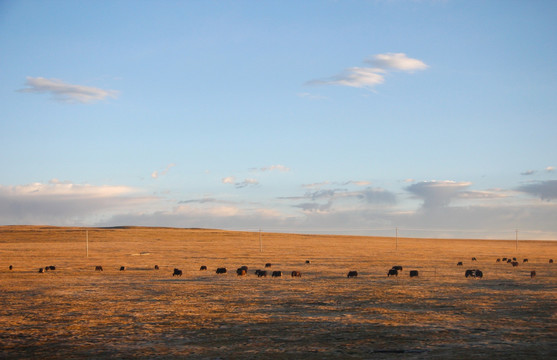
point(143, 313)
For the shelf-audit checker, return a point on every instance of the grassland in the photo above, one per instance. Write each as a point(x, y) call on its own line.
point(77, 312)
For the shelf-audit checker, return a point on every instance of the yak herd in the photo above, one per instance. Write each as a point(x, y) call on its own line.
point(394, 271)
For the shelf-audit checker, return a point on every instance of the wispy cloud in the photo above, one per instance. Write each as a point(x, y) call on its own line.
point(357, 77)
point(550, 169)
point(369, 77)
point(396, 61)
point(240, 184)
point(280, 168)
point(64, 92)
point(156, 174)
point(528, 172)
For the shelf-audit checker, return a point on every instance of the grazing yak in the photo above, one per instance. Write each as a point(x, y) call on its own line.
point(221, 270)
point(261, 273)
point(276, 274)
point(308, 262)
point(525, 260)
point(352, 273)
point(122, 268)
point(296, 274)
point(498, 260)
point(532, 273)
point(244, 268)
point(514, 263)
point(392, 272)
point(177, 272)
point(474, 273)
point(459, 263)
point(41, 270)
point(504, 259)
point(514, 259)
point(98, 268)
point(156, 267)
point(203, 268)
point(397, 267)
point(11, 267)
point(413, 273)
point(268, 265)
point(474, 259)
point(509, 261)
point(551, 261)
point(240, 272)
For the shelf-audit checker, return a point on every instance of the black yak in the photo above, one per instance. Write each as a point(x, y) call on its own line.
point(177, 272)
point(296, 274)
point(221, 270)
point(276, 274)
point(352, 273)
point(413, 273)
point(392, 272)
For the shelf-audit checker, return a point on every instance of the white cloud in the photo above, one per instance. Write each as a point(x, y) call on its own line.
point(65, 92)
point(156, 174)
point(528, 172)
point(228, 180)
point(396, 61)
point(369, 77)
point(59, 203)
point(550, 169)
point(357, 77)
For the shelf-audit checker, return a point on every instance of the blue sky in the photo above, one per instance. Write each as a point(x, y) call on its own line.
point(354, 117)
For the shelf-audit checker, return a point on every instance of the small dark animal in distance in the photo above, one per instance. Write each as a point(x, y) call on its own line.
point(551, 261)
point(221, 270)
point(514, 259)
point(177, 272)
point(498, 260)
point(41, 270)
point(392, 272)
point(459, 263)
point(352, 273)
point(296, 274)
point(413, 273)
point(261, 273)
point(202, 268)
point(509, 261)
point(397, 267)
point(514, 263)
point(532, 273)
point(122, 268)
point(525, 260)
point(308, 262)
point(474, 259)
point(98, 268)
point(156, 267)
point(504, 259)
point(276, 274)
point(268, 265)
point(11, 267)
point(244, 268)
point(240, 272)
point(474, 273)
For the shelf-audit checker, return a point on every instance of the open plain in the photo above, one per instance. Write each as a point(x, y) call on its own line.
point(75, 311)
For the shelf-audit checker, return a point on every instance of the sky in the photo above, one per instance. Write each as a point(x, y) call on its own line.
point(427, 118)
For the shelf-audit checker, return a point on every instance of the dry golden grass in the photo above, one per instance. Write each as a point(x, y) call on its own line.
point(77, 312)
